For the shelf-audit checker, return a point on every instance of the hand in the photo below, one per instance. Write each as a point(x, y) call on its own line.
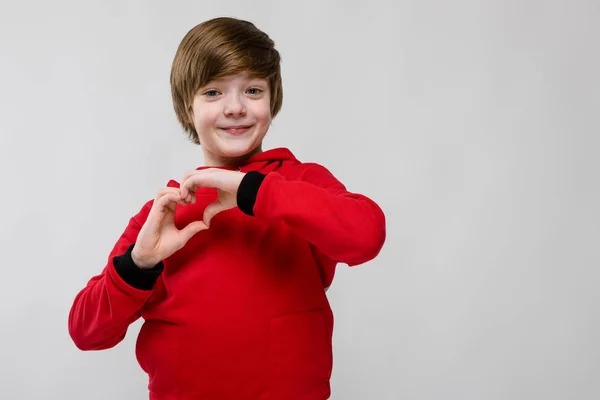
point(159, 237)
point(225, 181)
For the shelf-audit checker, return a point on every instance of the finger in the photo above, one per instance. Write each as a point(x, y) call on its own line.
point(191, 229)
point(186, 188)
point(168, 200)
point(196, 179)
point(190, 199)
point(211, 210)
point(186, 184)
point(187, 175)
point(165, 191)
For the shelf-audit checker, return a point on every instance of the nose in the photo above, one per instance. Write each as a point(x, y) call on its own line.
point(234, 106)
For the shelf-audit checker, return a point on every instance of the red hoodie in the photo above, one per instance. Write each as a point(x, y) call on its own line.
point(240, 312)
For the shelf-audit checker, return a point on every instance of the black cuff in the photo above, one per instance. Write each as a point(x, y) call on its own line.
point(248, 190)
point(142, 279)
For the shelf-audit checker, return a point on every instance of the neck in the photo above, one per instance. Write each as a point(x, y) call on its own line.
point(213, 160)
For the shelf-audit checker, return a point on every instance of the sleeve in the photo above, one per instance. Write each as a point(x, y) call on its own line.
point(103, 310)
point(347, 227)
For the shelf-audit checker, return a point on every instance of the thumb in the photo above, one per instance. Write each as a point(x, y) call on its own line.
point(211, 210)
point(191, 229)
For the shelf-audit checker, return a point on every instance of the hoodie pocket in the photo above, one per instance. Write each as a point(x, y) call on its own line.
point(300, 355)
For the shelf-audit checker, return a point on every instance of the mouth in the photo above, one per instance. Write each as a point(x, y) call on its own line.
point(236, 129)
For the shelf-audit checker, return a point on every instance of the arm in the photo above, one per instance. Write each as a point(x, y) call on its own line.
point(111, 301)
point(346, 227)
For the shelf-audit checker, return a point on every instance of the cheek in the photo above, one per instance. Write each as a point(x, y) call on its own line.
point(204, 118)
point(262, 112)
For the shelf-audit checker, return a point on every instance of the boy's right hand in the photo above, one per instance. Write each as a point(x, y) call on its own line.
point(159, 237)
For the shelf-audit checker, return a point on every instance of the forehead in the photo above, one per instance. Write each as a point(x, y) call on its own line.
point(239, 77)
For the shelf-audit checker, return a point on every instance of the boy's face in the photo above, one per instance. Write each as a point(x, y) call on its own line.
point(232, 116)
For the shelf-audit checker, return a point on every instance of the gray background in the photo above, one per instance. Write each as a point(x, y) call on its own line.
point(474, 124)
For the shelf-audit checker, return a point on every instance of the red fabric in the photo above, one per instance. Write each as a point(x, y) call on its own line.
point(240, 312)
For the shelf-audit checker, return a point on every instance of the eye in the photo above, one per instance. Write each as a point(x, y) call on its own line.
point(255, 91)
point(211, 93)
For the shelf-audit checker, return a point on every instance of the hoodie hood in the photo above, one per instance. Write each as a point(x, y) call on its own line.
point(278, 154)
point(265, 161)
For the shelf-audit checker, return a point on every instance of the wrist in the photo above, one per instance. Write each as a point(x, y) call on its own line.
point(134, 276)
point(140, 261)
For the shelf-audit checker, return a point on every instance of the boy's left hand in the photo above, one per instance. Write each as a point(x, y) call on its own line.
point(225, 181)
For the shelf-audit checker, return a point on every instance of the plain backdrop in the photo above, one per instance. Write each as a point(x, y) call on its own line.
point(474, 124)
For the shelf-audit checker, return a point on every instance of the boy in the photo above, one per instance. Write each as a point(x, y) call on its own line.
point(229, 267)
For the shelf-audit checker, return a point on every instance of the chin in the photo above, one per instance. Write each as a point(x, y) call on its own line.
point(237, 150)
point(236, 147)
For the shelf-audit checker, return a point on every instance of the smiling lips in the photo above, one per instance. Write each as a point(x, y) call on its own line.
point(237, 129)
